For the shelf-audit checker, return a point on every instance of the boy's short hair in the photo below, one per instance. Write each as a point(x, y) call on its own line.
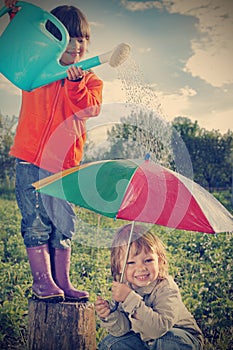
point(142, 238)
point(73, 19)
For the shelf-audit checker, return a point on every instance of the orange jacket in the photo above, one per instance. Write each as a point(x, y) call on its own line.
point(51, 130)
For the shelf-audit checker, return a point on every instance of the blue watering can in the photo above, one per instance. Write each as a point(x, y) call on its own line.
point(30, 54)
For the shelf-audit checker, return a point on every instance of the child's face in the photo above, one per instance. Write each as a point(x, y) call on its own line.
point(141, 269)
point(75, 51)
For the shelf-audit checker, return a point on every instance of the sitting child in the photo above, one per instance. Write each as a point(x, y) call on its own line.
point(151, 314)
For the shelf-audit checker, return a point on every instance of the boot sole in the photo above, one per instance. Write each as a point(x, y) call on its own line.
point(49, 299)
point(77, 300)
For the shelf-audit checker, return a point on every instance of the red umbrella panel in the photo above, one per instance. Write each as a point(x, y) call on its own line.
point(140, 190)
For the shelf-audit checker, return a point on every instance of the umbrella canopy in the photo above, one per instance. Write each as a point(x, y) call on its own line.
point(139, 190)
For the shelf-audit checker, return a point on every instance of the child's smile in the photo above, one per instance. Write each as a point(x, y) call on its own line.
point(142, 269)
point(74, 51)
point(142, 277)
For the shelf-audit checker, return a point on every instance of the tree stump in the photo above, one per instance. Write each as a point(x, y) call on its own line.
point(61, 326)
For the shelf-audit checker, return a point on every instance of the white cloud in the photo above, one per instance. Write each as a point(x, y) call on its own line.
point(96, 24)
point(176, 104)
point(172, 105)
point(140, 5)
point(212, 64)
point(113, 92)
point(144, 49)
point(212, 55)
point(217, 120)
point(213, 52)
point(187, 91)
point(180, 104)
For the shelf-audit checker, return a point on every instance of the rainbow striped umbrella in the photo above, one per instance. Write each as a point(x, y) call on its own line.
point(139, 190)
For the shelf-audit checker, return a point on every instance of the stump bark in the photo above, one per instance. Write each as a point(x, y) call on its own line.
point(61, 326)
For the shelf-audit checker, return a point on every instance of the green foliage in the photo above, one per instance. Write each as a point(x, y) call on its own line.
point(226, 198)
point(204, 274)
point(140, 133)
point(211, 153)
point(15, 279)
point(6, 139)
point(200, 263)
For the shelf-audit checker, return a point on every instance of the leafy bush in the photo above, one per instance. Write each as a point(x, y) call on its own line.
point(204, 274)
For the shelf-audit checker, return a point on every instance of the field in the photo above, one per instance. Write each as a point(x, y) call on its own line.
point(200, 263)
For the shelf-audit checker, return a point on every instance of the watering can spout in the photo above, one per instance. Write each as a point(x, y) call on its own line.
point(55, 71)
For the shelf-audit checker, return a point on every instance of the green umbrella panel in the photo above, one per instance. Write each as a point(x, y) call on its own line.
point(88, 185)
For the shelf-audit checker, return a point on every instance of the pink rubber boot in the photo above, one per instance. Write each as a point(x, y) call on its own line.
point(44, 288)
point(61, 271)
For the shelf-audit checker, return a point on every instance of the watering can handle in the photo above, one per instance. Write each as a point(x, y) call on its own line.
point(47, 16)
point(60, 26)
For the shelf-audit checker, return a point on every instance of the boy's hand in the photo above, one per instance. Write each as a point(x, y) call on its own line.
point(102, 307)
point(120, 291)
point(75, 73)
point(11, 5)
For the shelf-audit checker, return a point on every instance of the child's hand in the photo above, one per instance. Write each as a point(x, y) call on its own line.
point(102, 307)
point(75, 73)
point(120, 291)
point(11, 4)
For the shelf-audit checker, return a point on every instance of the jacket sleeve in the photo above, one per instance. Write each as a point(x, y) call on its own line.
point(85, 97)
point(153, 321)
point(117, 323)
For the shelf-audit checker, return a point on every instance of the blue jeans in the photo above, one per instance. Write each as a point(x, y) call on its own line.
point(45, 219)
point(175, 339)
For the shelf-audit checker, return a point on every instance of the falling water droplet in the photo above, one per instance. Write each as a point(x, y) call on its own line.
point(153, 132)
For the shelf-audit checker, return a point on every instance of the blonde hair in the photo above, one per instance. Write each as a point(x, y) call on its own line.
point(141, 239)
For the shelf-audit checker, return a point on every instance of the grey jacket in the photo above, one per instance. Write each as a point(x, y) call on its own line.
point(159, 308)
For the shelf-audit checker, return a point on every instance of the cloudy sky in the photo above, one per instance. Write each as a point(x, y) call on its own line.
point(182, 50)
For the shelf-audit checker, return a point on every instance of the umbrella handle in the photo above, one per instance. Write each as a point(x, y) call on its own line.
point(115, 306)
point(116, 303)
